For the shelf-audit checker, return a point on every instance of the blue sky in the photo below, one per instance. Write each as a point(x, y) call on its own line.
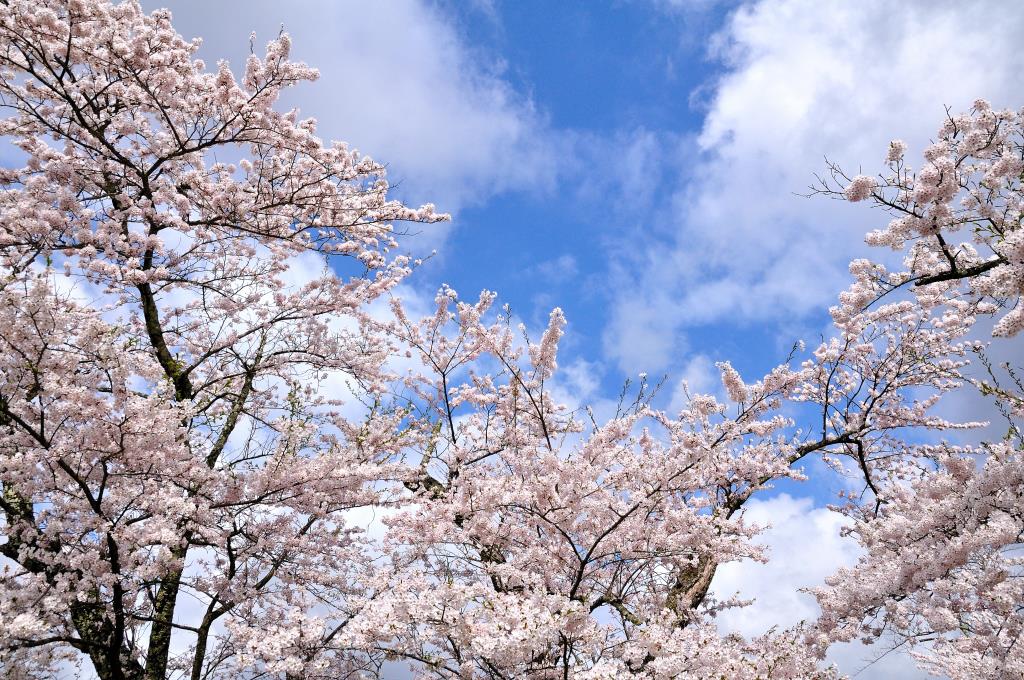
point(636, 162)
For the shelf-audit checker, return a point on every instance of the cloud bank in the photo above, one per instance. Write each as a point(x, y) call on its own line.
point(398, 82)
point(801, 80)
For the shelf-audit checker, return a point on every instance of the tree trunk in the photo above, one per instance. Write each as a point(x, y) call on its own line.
point(105, 644)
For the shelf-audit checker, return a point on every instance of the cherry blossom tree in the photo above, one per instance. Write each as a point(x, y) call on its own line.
point(197, 393)
point(545, 544)
point(172, 470)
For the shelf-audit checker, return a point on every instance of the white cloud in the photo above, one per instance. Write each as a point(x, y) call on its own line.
point(622, 165)
point(698, 376)
point(805, 547)
point(580, 381)
point(803, 79)
point(557, 270)
point(397, 82)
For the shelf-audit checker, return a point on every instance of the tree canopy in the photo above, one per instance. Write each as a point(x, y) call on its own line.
point(205, 375)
